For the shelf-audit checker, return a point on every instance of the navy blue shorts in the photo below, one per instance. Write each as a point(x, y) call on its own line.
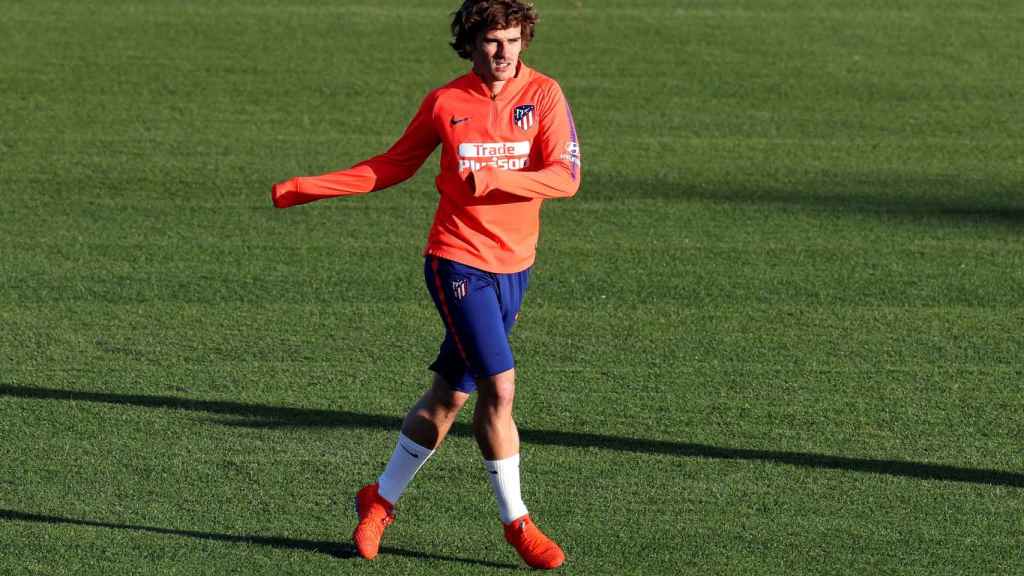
point(478, 309)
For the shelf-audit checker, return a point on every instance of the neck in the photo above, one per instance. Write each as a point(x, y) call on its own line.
point(495, 86)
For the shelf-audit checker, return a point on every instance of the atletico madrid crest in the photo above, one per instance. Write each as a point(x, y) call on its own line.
point(459, 289)
point(522, 116)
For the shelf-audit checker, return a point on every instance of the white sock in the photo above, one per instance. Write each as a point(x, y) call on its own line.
point(406, 461)
point(504, 475)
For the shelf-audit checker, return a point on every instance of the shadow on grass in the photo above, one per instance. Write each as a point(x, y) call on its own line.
point(261, 416)
point(340, 550)
point(922, 200)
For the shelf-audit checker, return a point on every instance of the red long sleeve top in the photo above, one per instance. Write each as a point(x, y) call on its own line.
point(502, 155)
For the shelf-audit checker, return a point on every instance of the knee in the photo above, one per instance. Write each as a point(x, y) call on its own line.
point(498, 391)
point(454, 401)
point(444, 398)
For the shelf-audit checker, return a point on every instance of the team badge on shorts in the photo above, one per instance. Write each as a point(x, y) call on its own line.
point(522, 116)
point(460, 288)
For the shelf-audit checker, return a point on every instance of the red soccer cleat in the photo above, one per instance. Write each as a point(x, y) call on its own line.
point(533, 546)
point(375, 514)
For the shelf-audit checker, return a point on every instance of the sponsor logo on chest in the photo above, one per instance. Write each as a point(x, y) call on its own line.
point(502, 155)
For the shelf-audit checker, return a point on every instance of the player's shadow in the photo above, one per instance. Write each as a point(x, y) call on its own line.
point(262, 416)
point(335, 549)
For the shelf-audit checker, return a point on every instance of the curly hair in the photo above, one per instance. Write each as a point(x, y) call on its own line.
point(476, 17)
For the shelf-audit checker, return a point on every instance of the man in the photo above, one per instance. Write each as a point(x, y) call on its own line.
point(508, 142)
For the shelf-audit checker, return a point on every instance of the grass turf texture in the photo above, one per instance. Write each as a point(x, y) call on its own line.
point(778, 331)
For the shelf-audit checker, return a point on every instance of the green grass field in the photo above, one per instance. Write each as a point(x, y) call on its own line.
point(779, 330)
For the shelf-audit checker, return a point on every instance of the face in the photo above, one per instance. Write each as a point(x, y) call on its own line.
point(496, 54)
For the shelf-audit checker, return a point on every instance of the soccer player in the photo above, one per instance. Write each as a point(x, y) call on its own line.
point(508, 142)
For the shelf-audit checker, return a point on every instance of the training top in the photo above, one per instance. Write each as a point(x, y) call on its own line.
point(518, 147)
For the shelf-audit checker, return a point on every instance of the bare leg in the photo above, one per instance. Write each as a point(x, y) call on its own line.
point(430, 419)
point(425, 427)
point(495, 430)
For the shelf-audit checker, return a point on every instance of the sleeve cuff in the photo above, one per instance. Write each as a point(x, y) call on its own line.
point(281, 191)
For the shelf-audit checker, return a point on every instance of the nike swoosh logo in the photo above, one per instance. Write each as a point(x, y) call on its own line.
point(410, 452)
point(456, 121)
